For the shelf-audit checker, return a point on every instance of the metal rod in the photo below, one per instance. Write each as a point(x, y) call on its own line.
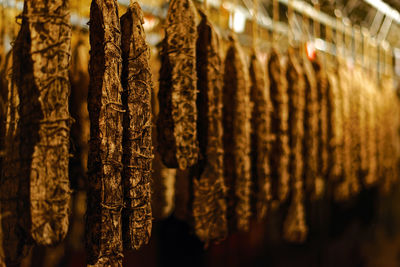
point(383, 32)
point(385, 9)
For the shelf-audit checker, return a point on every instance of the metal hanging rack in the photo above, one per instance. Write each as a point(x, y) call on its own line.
point(385, 9)
point(262, 17)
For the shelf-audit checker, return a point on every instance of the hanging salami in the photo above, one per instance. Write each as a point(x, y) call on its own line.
point(313, 181)
point(137, 144)
point(236, 137)
point(176, 125)
point(105, 193)
point(209, 192)
point(335, 132)
point(389, 132)
point(322, 105)
point(346, 188)
point(45, 119)
point(295, 228)
point(279, 150)
point(354, 127)
point(260, 119)
point(362, 85)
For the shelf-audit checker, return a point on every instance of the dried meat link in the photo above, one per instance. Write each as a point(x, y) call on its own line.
point(354, 131)
point(209, 209)
point(105, 193)
point(295, 229)
point(14, 186)
point(279, 152)
point(137, 143)
point(322, 83)
point(237, 114)
point(379, 136)
point(344, 191)
point(209, 200)
point(334, 122)
point(260, 132)
point(371, 176)
point(390, 127)
point(46, 112)
point(166, 147)
point(362, 94)
point(310, 145)
point(177, 136)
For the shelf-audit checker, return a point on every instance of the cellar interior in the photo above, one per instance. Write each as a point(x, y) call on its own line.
point(200, 133)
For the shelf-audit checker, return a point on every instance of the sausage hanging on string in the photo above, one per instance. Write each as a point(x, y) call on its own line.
point(335, 127)
point(137, 143)
point(390, 133)
point(361, 83)
point(344, 189)
point(313, 181)
point(209, 192)
point(354, 98)
point(322, 130)
point(236, 137)
point(372, 175)
point(260, 120)
point(279, 150)
point(45, 119)
point(295, 228)
point(105, 193)
point(176, 125)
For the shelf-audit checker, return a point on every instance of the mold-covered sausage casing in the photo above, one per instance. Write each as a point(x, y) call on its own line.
point(137, 143)
point(105, 192)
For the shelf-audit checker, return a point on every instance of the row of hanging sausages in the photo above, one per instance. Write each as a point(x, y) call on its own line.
point(250, 135)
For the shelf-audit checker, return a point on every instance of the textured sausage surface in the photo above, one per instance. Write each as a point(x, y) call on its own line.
point(370, 134)
point(260, 118)
point(209, 192)
point(279, 152)
point(295, 228)
point(176, 125)
point(45, 119)
point(335, 160)
point(322, 105)
point(312, 180)
point(346, 188)
point(137, 143)
point(236, 138)
point(105, 192)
